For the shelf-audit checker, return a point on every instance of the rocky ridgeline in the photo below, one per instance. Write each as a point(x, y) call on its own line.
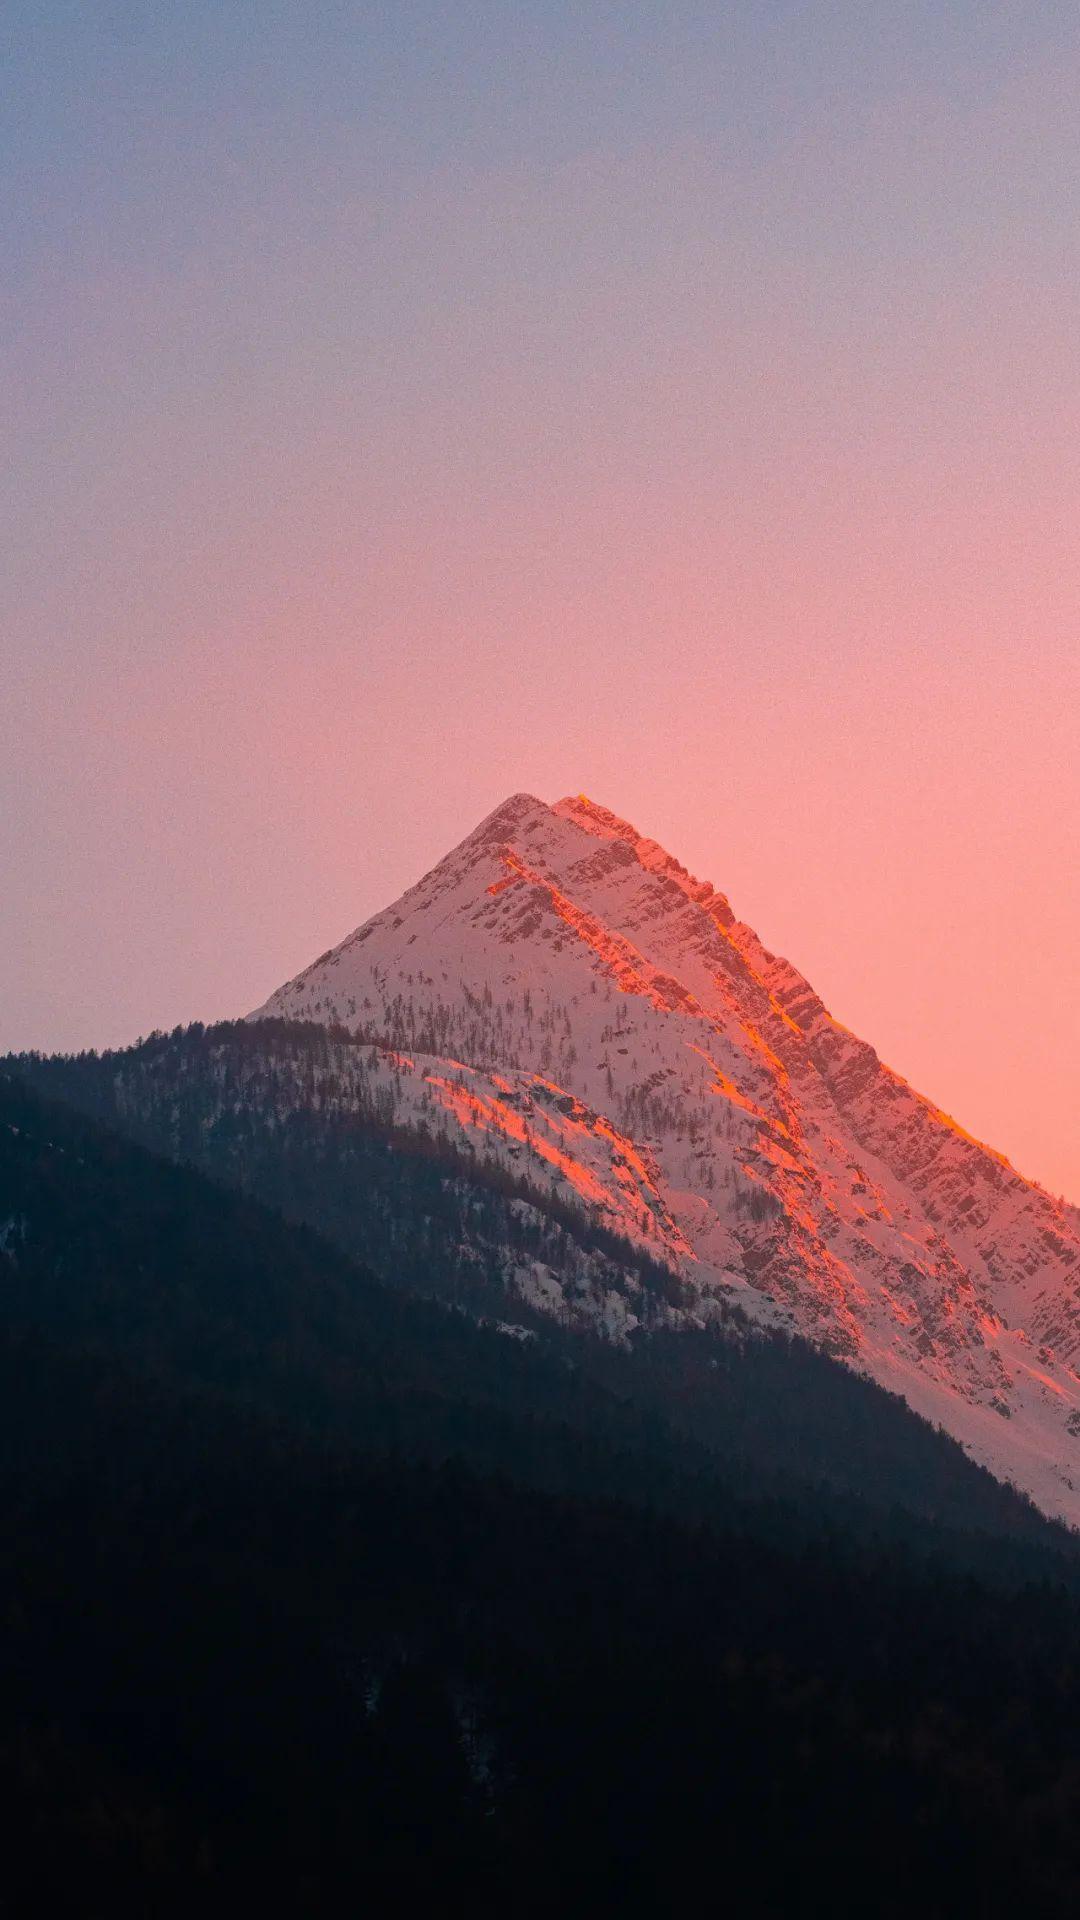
point(788, 1167)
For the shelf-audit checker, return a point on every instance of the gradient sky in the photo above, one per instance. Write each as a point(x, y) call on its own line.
point(407, 404)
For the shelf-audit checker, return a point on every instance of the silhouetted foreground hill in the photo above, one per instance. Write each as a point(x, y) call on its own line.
point(319, 1599)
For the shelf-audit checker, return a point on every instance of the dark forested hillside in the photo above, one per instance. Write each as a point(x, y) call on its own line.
point(317, 1597)
point(285, 1110)
point(770, 1415)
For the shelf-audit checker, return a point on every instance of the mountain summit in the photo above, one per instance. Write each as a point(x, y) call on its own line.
point(562, 991)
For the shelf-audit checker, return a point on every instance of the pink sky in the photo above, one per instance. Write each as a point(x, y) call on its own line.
point(703, 435)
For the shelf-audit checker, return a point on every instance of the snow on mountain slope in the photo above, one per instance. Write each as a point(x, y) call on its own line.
point(723, 1116)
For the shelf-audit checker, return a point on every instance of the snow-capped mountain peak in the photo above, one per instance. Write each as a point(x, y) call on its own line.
point(561, 989)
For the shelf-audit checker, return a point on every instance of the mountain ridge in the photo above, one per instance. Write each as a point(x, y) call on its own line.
point(779, 1161)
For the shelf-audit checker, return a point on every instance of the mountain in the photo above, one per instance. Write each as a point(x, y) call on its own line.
point(676, 1415)
point(560, 994)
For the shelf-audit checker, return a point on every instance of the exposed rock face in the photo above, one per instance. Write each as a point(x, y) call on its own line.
point(693, 1088)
